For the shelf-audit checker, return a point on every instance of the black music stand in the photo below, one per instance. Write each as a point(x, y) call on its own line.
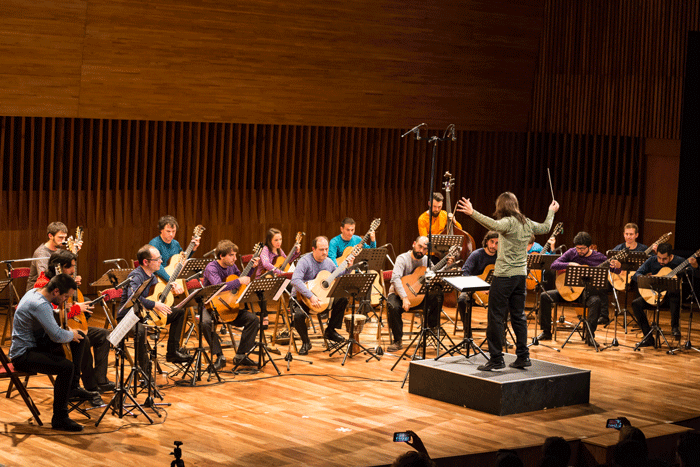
point(350, 286)
point(193, 269)
point(442, 244)
point(201, 297)
point(590, 279)
point(658, 284)
point(114, 278)
point(469, 285)
point(632, 261)
point(375, 258)
point(431, 286)
point(537, 262)
point(262, 289)
point(688, 345)
point(119, 333)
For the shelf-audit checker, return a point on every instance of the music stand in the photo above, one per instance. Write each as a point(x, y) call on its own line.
point(350, 286)
point(658, 284)
point(430, 287)
point(262, 289)
point(588, 278)
point(118, 336)
point(469, 285)
point(114, 278)
point(194, 267)
point(632, 261)
point(201, 297)
point(615, 342)
point(443, 243)
point(375, 258)
point(688, 345)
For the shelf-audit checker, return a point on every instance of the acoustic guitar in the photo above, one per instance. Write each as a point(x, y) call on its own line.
point(225, 303)
point(530, 282)
point(321, 284)
point(649, 295)
point(61, 318)
point(482, 297)
point(78, 321)
point(162, 290)
point(348, 250)
point(571, 293)
point(620, 281)
point(413, 282)
point(283, 263)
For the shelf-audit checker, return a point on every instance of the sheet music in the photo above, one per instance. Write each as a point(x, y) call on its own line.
point(467, 282)
point(124, 326)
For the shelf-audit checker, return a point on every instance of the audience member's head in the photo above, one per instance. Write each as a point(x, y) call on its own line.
point(689, 449)
point(558, 449)
point(508, 458)
point(630, 453)
point(413, 459)
point(632, 433)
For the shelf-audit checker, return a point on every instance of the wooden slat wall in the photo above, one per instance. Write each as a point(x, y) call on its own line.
point(613, 67)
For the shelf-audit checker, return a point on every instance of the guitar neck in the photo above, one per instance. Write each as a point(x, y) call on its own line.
point(178, 269)
point(288, 259)
point(681, 266)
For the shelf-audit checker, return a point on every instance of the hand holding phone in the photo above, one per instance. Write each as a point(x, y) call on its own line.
point(402, 437)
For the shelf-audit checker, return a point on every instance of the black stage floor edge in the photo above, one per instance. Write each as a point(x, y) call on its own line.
point(508, 391)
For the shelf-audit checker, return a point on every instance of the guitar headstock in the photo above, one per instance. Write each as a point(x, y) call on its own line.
point(197, 233)
point(375, 224)
point(72, 244)
point(257, 249)
point(664, 238)
point(299, 238)
point(559, 228)
point(454, 251)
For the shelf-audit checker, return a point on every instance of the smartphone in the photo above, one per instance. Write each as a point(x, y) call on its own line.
point(615, 423)
point(402, 437)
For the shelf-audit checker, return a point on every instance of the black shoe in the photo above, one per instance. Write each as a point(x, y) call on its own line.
point(676, 332)
point(603, 320)
point(97, 401)
point(305, 347)
point(545, 336)
point(332, 335)
point(492, 365)
point(219, 362)
point(521, 362)
point(648, 342)
point(65, 424)
point(244, 361)
point(80, 394)
point(106, 387)
point(395, 346)
point(178, 357)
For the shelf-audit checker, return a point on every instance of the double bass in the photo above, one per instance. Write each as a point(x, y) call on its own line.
point(451, 229)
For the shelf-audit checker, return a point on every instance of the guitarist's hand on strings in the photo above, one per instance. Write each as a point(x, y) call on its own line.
point(245, 280)
point(372, 236)
point(177, 288)
point(615, 264)
point(351, 259)
point(693, 262)
point(195, 240)
point(465, 206)
point(162, 307)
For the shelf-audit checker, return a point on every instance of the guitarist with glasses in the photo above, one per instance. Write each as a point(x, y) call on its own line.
point(596, 303)
point(664, 259)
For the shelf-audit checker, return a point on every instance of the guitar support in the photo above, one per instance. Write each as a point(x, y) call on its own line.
point(588, 278)
point(658, 284)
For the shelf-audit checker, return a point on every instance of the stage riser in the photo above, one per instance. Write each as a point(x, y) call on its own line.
point(501, 392)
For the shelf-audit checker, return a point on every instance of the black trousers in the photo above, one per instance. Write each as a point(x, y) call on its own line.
point(395, 311)
point(507, 297)
point(176, 320)
point(335, 320)
point(48, 359)
point(639, 305)
point(206, 325)
point(594, 304)
point(94, 371)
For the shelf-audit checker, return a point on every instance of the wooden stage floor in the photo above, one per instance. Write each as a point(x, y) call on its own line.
point(324, 414)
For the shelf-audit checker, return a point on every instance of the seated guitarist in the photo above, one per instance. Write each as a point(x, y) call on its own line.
point(217, 272)
point(168, 247)
point(475, 265)
point(271, 252)
point(149, 262)
point(308, 267)
point(663, 258)
point(398, 301)
point(347, 238)
point(581, 255)
point(92, 373)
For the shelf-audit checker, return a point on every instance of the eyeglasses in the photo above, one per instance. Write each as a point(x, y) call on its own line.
point(160, 258)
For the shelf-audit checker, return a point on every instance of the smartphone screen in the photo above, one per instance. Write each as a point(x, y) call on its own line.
point(401, 437)
point(615, 423)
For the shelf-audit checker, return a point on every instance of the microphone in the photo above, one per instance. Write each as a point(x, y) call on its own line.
point(416, 130)
point(113, 279)
point(196, 275)
point(385, 245)
point(560, 249)
point(360, 265)
point(211, 253)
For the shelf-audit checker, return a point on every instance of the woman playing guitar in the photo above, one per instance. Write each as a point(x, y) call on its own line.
point(273, 258)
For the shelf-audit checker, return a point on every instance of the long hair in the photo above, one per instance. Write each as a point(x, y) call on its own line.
point(270, 235)
point(507, 205)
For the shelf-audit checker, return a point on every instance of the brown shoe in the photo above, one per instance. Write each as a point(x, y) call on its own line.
point(394, 346)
